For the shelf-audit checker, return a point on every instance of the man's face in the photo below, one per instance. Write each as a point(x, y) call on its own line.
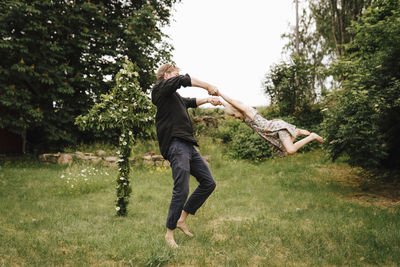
point(171, 74)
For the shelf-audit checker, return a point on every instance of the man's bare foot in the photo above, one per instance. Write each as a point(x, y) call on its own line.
point(170, 240)
point(317, 137)
point(182, 226)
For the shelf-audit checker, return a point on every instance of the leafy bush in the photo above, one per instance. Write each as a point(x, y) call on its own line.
point(363, 119)
point(243, 142)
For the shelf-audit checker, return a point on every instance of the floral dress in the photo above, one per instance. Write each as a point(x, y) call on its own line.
point(272, 131)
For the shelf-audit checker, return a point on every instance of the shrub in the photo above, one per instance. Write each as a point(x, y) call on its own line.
point(243, 142)
point(363, 118)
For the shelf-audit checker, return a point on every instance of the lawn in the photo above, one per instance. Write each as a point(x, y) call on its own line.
point(302, 210)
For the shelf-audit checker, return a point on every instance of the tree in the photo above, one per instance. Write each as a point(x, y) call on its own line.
point(128, 110)
point(57, 53)
point(363, 118)
point(332, 18)
point(305, 42)
point(280, 84)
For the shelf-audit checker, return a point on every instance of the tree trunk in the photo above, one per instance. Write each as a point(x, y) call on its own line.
point(297, 27)
point(297, 40)
point(333, 21)
point(342, 22)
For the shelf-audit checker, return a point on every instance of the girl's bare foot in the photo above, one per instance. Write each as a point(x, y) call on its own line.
point(170, 240)
point(317, 137)
point(182, 226)
point(303, 132)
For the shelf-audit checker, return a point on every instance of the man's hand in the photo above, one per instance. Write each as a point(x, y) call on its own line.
point(212, 90)
point(214, 101)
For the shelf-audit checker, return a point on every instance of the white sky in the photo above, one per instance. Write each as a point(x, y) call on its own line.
point(229, 43)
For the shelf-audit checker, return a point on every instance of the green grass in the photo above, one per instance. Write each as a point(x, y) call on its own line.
point(296, 211)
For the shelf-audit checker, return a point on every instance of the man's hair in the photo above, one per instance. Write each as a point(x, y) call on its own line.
point(166, 68)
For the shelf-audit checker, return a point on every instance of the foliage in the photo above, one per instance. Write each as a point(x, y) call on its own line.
point(311, 50)
point(332, 18)
point(242, 141)
point(363, 119)
point(205, 121)
point(57, 54)
point(290, 85)
point(129, 111)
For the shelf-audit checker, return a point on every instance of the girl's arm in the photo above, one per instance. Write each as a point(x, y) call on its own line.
point(215, 101)
point(198, 83)
point(244, 109)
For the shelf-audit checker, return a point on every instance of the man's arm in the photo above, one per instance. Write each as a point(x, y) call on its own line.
point(169, 86)
point(212, 100)
point(212, 90)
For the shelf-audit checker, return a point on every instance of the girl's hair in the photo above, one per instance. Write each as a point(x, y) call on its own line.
point(166, 68)
point(232, 111)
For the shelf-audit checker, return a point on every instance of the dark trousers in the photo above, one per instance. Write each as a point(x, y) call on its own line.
point(185, 160)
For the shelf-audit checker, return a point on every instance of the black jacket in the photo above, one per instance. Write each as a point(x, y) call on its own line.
point(172, 118)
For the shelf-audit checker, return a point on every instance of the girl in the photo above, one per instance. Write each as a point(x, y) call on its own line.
point(278, 133)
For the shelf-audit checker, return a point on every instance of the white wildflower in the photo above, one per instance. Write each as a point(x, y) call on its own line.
point(117, 208)
point(130, 132)
point(121, 178)
point(62, 176)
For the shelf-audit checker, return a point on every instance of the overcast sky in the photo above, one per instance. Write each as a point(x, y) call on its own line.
point(229, 43)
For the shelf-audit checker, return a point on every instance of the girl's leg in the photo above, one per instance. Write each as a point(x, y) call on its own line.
point(292, 148)
point(302, 132)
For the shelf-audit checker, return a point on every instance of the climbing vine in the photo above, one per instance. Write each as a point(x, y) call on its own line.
point(127, 109)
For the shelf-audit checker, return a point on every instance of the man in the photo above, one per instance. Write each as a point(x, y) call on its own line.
point(176, 142)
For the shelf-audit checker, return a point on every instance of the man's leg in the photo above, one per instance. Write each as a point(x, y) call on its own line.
point(181, 225)
point(199, 169)
point(180, 165)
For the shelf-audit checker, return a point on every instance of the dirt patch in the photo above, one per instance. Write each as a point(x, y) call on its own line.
point(367, 190)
